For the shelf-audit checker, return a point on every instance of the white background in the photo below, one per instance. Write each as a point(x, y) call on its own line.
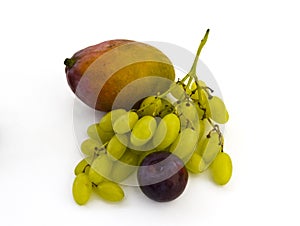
point(253, 52)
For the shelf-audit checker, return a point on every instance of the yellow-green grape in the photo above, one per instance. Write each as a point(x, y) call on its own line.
point(221, 168)
point(140, 149)
point(125, 122)
point(185, 143)
point(195, 164)
point(167, 108)
point(100, 169)
point(82, 189)
point(210, 147)
point(188, 114)
point(110, 191)
point(202, 128)
point(95, 132)
point(89, 146)
point(203, 99)
point(197, 123)
point(94, 176)
point(200, 111)
point(125, 167)
point(143, 130)
point(177, 91)
point(129, 158)
point(151, 105)
point(106, 122)
point(166, 132)
point(188, 110)
point(216, 110)
point(105, 136)
point(194, 88)
point(205, 128)
point(136, 151)
point(117, 146)
point(83, 166)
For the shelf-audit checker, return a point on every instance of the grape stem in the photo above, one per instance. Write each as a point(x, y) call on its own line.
point(217, 129)
point(192, 72)
point(98, 150)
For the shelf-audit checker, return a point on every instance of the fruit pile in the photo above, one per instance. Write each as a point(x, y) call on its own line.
point(168, 136)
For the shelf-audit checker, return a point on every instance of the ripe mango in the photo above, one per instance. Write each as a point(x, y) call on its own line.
point(98, 73)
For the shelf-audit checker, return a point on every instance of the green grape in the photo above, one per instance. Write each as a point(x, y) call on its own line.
point(185, 143)
point(151, 105)
point(125, 122)
point(89, 146)
point(216, 110)
point(221, 168)
point(105, 136)
point(188, 110)
point(110, 191)
point(129, 158)
point(195, 164)
point(194, 88)
point(177, 91)
point(140, 149)
point(108, 119)
point(196, 124)
point(203, 100)
point(125, 167)
point(167, 108)
point(117, 146)
point(210, 147)
point(83, 166)
point(82, 189)
point(166, 132)
point(202, 128)
point(94, 176)
point(95, 132)
point(200, 111)
point(100, 168)
point(136, 151)
point(205, 128)
point(188, 114)
point(143, 130)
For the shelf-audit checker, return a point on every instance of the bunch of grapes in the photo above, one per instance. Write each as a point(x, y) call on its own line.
point(183, 121)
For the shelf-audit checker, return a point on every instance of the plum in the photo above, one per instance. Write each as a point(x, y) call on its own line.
point(162, 176)
point(98, 73)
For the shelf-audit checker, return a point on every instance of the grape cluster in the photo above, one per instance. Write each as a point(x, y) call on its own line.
point(183, 121)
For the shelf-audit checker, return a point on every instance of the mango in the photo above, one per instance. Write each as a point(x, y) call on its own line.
point(97, 74)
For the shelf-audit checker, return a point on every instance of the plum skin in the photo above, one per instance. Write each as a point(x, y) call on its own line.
point(162, 176)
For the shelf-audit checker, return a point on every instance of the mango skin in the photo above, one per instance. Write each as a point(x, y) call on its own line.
point(98, 73)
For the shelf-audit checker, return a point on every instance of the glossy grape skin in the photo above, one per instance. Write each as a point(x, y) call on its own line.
point(110, 191)
point(106, 122)
point(185, 144)
point(221, 168)
point(162, 176)
point(166, 132)
point(217, 111)
point(82, 189)
point(143, 130)
point(83, 166)
point(125, 122)
point(151, 106)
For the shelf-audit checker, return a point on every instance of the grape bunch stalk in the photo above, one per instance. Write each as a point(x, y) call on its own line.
point(183, 122)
